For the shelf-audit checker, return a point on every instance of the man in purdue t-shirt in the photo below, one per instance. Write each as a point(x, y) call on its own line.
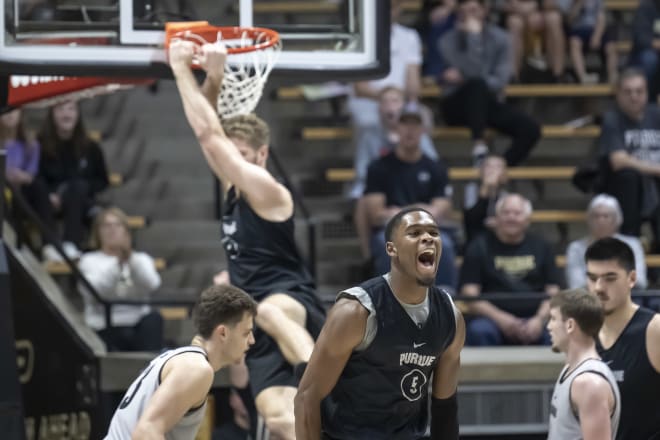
point(629, 341)
point(368, 377)
point(258, 237)
point(508, 259)
point(630, 147)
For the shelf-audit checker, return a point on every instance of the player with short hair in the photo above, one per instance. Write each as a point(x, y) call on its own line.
point(168, 400)
point(629, 340)
point(258, 237)
point(368, 377)
point(585, 403)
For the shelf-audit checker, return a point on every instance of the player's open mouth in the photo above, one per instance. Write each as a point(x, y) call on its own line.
point(426, 258)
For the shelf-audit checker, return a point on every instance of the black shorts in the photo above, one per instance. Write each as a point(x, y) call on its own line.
point(266, 363)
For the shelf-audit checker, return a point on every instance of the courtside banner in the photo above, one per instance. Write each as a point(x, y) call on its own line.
point(46, 90)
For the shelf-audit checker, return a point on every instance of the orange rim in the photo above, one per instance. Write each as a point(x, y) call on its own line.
point(267, 37)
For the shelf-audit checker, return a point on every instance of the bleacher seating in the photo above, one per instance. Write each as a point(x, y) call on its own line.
point(432, 91)
point(548, 131)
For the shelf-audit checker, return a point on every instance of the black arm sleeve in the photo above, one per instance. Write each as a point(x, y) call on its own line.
point(444, 418)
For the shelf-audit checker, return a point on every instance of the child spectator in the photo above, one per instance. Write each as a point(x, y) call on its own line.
point(587, 31)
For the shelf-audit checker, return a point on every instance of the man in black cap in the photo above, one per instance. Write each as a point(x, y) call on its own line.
point(403, 178)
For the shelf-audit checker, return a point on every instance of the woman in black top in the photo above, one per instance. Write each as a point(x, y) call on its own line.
point(73, 172)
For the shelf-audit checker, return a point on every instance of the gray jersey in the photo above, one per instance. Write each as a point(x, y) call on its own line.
point(564, 423)
point(138, 395)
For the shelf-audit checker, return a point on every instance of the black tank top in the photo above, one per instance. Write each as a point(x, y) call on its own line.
point(639, 382)
point(262, 255)
point(382, 393)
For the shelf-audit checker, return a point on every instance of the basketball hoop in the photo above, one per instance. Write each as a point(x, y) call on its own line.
point(254, 50)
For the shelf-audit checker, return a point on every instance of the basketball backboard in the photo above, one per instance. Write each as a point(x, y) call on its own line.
point(327, 38)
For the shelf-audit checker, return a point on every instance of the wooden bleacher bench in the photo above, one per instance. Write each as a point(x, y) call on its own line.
point(61, 268)
point(512, 91)
point(549, 131)
point(410, 6)
point(543, 216)
point(652, 260)
point(470, 173)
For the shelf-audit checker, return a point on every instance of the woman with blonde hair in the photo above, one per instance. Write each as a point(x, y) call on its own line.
point(116, 271)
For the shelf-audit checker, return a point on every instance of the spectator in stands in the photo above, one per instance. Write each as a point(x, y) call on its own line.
point(508, 260)
point(375, 142)
point(630, 148)
point(528, 23)
point(480, 198)
point(437, 17)
point(22, 150)
point(405, 65)
point(403, 178)
point(646, 43)
point(22, 164)
point(116, 271)
point(587, 31)
point(604, 217)
point(74, 170)
point(478, 67)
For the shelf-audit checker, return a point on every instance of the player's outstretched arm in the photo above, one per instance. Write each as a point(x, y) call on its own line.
point(593, 399)
point(264, 193)
point(341, 333)
point(444, 407)
point(185, 384)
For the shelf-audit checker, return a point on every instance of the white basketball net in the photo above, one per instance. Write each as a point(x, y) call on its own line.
point(245, 74)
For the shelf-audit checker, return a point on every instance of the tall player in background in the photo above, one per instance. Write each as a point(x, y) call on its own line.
point(258, 236)
point(629, 341)
point(368, 378)
point(168, 399)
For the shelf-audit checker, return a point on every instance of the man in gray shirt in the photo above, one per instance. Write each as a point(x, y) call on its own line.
point(478, 68)
point(629, 146)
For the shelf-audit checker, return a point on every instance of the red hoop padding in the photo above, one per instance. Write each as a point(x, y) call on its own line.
point(267, 37)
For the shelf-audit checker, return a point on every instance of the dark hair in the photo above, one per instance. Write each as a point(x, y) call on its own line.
point(627, 73)
point(395, 221)
point(224, 304)
point(611, 248)
point(583, 307)
point(49, 139)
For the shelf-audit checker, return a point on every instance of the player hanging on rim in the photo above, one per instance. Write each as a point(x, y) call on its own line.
point(258, 237)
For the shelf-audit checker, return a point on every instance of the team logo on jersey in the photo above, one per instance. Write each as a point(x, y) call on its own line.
point(229, 228)
point(231, 247)
point(413, 385)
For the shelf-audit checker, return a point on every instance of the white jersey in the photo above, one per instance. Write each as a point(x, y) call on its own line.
point(564, 423)
point(138, 395)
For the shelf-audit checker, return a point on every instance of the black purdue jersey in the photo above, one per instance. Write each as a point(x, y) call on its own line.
point(639, 382)
point(262, 255)
point(382, 393)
